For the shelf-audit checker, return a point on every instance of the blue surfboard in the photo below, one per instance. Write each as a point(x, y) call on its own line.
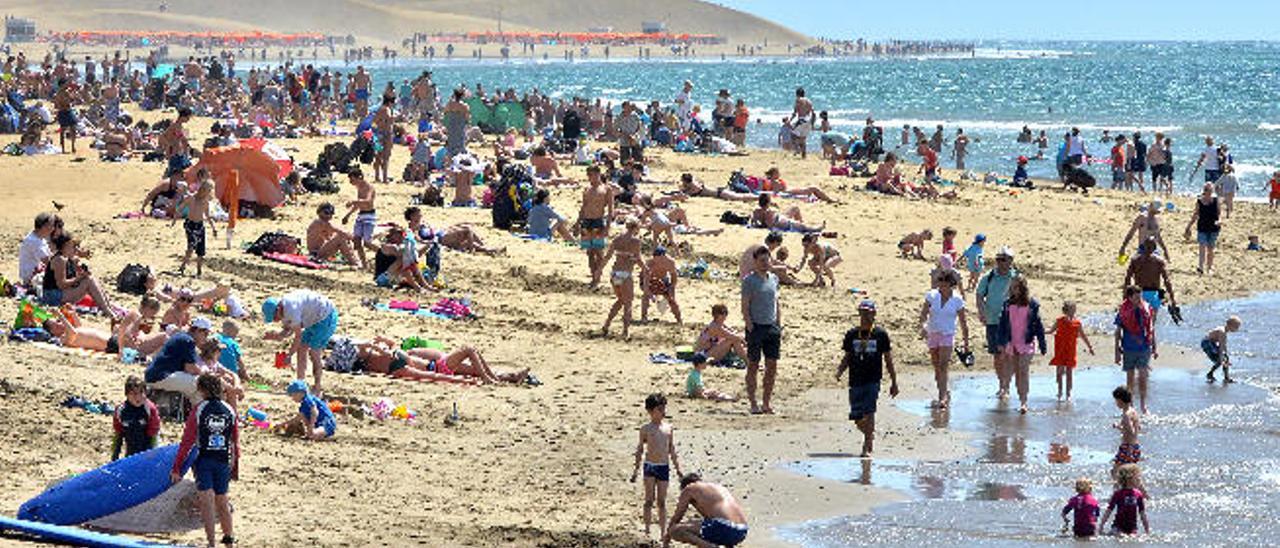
point(117, 486)
point(69, 535)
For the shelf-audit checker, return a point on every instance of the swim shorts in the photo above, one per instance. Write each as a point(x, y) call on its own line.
point(464, 203)
point(1212, 175)
point(1129, 453)
point(1153, 298)
point(1136, 360)
point(113, 345)
point(589, 244)
point(660, 472)
point(317, 335)
point(212, 474)
point(365, 223)
point(722, 532)
point(1212, 350)
point(195, 237)
point(1207, 238)
point(593, 224)
point(862, 400)
point(67, 119)
point(993, 334)
point(766, 340)
point(399, 361)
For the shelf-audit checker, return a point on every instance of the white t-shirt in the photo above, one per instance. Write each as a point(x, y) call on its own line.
point(942, 316)
point(1211, 159)
point(682, 103)
point(305, 308)
point(1075, 146)
point(33, 251)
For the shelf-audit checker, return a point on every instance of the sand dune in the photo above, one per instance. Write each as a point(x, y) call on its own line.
point(391, 20)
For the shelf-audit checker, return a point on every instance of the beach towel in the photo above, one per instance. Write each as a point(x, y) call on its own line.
point(300, 261)
point(444, 309)
point(731, 361)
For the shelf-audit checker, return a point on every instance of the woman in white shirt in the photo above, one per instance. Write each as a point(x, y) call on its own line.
point(942, 310)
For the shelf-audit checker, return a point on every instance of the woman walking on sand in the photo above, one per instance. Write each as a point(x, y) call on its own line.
point(938, 317)
point(1021, 329)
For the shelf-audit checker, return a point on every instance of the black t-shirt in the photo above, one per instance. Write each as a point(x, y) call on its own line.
point(1208, 219)
point(864, 354)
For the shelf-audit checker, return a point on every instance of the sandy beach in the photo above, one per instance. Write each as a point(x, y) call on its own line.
point(548, 466)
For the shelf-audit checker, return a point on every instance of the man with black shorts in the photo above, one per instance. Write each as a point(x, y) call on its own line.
point(763, 320)
point(867, 353)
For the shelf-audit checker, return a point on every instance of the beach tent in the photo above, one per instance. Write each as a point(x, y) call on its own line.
point(259, 175)
point(481, 114)
point(508, 115)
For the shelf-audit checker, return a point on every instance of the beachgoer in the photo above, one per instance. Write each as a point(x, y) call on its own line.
point(1135, 342)
point(773, 183)
point(544, 222)
point(1128, 502)
point(1210, 161)
point(383, 131)
point(67, 280)
point(627, 249)
point(1136, 169)
point(973, 261)
point(1084, 508)
point(762, 317)
point(1150, 272)
point(821, 258)
point(723, 521)
point(1273, 191)
point(938, 318)
point(70, 335)
point(690, 187)
point(717, 340)
point(867, 354)
point(594, 219)
point(694, 387)
point(790, 220)
point(366, 214)
point(1065, 331)
point(1227, 185)
point(177, 365)
point(657, 452)
point(960, 149)
point(229, 355)
point(34, 250)
point(1119, 163)
point(213, 430)
point(802, 120)
point(1214, 345)
point(660, 278)
point(1146, 226)
point(1020, 330)
point(993, 290)
point(194, 210)
point(136, 422)
point(314, 419)
point(929, 164)
point(326, 240)
point(137, 330)
point(308, 320)
point(1208, 222)
point(911, 246)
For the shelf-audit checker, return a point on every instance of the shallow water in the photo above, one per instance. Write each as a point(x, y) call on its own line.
point(1185, 89)
point(1211, 454)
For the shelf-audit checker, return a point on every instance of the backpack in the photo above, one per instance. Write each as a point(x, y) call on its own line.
point(133, 279)
point(275, 242)
point(731, 218)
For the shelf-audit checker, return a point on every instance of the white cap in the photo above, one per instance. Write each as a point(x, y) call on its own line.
point(202, 323)
point(1005, 251)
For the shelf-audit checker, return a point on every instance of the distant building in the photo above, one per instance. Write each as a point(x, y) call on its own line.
point(600, 30)
point(17, 29)
point(653, 27)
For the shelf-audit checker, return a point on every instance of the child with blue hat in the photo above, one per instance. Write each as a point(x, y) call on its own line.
point(314, 417)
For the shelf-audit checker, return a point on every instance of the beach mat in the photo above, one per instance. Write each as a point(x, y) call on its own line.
point(300, 261)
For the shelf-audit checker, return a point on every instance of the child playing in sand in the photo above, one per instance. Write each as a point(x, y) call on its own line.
point(973, 261)
point(1065, 331)
point(660, 277)
point(1084, 509)
point(1128, 503)
point(658, 449)
point(366, 214)
point(314, 419)
point(694, 387)
point(821, 258)
point(1215, 347)
point(195, 213)
point(1020, 178)
point(1255, 244)
point(949, 243)
point(209, 353)
point(136, 422)
point(912, 245)
point(229, 356)
point(213, 429)
point(1130, 451)
point(717, 340)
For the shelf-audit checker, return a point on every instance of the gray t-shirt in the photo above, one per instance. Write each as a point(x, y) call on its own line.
point(762, 295)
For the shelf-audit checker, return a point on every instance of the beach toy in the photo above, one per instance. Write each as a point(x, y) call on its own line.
point(114, 487)
point(337, 406)
point(256, 414)
point(1122, 259)
point(261, 425)
point(130, 356)
point(282, 360)
point(400, 412)
point(1170, 206)
point(381, 409)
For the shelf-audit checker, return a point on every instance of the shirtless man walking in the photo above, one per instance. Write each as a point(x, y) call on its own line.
point(361, 83)
point(1147, 227)
point(594, 219)
point(724, 523)
point(1150, 272)
point(627, 249)
point(366, 214)
point(802, 119)
point(66, 115)
point(383, 128)
point(325, 240)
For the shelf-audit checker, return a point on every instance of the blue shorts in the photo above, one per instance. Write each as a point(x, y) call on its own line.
point(51, 297)
point(1212, 350)
point(722, 532)
point(1207, 238)
point(330, 427)
point(862, 400)
point(1212, 175)
point(383, 280)
point(1152, 296)
point(1134, 361)
point(660, 472)
point(317, 335)
point(212, 474)
point(365, 223)
point(589, 244)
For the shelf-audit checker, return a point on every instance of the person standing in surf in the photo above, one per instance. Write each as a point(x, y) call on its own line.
point(802, 120)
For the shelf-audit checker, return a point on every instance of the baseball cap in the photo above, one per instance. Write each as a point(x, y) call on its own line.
point(297, 386)
point(980, 238)
point(1022, 159)
point(699, 357)
point(1005, 251)
point(201, 323)
point(867, 304)
point(269, 308)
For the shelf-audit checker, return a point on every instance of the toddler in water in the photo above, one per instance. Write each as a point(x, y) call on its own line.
point(658, 449)
point(1128, 503)
point(973, 261)
point(1130, 451)
point(694, 387)
point(1215, 347)
point(1084, 509)
point(1065, 331)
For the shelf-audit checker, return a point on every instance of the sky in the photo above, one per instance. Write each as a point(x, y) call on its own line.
point(1024, 19)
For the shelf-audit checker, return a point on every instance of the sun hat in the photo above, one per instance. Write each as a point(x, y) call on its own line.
point(269, 308)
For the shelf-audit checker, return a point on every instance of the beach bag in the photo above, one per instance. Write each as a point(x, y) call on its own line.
point(342, 355)
point(731, 218)
point(275, 242)
point(133, 280)
point(320, 184)
point(738, 183)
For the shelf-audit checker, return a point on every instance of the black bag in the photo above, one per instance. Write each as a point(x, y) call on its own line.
point(731, 218)
point(275, 242)
point(320, 184)
point(1080, 178)
point(133, 279)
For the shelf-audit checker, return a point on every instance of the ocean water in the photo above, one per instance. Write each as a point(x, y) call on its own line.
point(1211, 454)
point(1187, 90)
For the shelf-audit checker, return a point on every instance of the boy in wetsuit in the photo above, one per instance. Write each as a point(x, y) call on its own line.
point(136, 422)
point(211, 428)
point(1215, 347)
point(658, 449)
point(196, 209)
point(314, 419)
